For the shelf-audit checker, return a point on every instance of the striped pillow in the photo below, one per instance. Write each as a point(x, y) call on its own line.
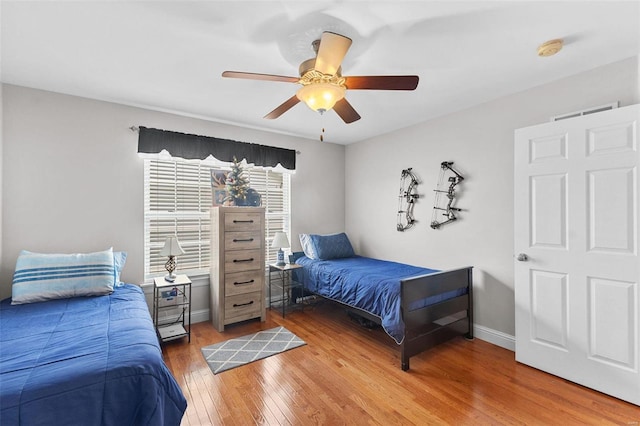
point(40, 277)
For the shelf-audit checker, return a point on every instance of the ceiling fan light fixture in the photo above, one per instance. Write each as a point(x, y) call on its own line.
point(321, 97)
point(323, 86)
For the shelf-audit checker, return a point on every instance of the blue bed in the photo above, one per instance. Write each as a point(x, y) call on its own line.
point(418, 307)
point(85, 361)
point(371, 285)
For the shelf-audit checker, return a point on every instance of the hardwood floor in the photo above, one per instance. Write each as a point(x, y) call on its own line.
point(347, 374)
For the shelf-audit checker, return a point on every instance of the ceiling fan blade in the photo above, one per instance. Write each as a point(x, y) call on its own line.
point(333, 47)
point(256, 76)
point(284, 107)
point(382, 82)
point(346, 111)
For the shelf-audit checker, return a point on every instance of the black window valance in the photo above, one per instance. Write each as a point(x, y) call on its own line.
point(152, 141)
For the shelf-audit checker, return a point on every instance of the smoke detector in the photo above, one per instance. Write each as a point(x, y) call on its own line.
point(550, 48)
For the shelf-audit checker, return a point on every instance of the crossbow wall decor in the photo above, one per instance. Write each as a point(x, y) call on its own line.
point(449, 211)
point(407, 199)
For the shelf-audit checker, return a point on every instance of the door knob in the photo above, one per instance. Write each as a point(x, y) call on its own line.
point(522, 257)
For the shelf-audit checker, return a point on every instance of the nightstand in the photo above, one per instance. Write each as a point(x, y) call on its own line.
point(173, 299)
point(285, 282)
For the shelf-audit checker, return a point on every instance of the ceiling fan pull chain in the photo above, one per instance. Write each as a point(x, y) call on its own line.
point(322, 124)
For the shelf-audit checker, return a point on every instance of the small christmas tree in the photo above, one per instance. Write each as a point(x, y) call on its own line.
point(236, 184)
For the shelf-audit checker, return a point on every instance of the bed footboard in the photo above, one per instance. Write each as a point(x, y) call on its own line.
point(427, 326)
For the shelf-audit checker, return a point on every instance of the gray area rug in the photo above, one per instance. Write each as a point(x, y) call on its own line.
point(233, 353)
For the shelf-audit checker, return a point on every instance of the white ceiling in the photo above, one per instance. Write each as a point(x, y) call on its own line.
point(169, 55)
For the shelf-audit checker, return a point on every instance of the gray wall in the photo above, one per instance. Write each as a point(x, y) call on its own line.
point(480, 142)
point(73, 182)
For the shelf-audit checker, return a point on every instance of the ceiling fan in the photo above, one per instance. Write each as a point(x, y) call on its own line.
point(323, 86)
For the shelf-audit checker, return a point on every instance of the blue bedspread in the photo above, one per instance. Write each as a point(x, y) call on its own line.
point(369, 284)
point(85, 361)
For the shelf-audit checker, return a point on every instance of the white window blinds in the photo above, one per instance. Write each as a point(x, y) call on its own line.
point(178, 202)
point(274, 189)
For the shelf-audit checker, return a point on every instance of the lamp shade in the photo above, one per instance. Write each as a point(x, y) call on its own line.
point(280, 240)
point(171, 247)
point(321, 97)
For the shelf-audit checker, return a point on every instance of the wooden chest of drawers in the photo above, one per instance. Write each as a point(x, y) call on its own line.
point(237, 265)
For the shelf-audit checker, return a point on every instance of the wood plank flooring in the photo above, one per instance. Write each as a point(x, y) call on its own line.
point(347, 374)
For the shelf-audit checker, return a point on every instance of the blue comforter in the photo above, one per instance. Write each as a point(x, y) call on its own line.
point(85, 361)
point(369, 284)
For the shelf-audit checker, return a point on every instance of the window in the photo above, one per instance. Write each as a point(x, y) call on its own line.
point(178, 200)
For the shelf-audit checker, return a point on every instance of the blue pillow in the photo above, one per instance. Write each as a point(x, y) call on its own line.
point(119, 258)
point(39, 277)
point(307, 246)
point(335, 246)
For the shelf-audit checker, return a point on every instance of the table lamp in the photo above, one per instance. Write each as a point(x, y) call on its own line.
point(172, 249)
point(280, 241)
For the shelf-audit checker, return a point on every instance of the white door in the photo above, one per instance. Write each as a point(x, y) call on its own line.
point(576, 240)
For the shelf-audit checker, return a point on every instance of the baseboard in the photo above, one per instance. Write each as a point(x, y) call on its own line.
point(495, 337)
point(201, 315)
point(490, 335)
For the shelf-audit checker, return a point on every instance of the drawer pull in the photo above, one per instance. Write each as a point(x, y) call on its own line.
point(243, 221)
point(243, 260)
point(240, 240)
point(243, 282)
point(237, 305)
